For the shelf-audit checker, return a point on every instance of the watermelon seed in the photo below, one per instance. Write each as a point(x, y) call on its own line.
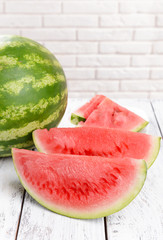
point(81, 191)
point(103, 180)
point(71, 151)
point(124, 144)
point(113, 176)
point(110, 153)
point(78, 196)
point(117, 170)
point(119, 149)
point(113, 182)
point(87, 152)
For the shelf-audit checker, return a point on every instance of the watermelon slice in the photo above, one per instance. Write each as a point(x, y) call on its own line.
point(83, 112)
point(108, 114)
point(79, 186)
point(98, 142)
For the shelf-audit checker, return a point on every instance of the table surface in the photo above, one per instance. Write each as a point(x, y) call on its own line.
point(23, 218)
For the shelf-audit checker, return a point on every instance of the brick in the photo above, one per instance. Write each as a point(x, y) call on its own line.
point(131, 20)
point(67, 60)
point(72, 47)
point(159, 21)
point(125, 48)
point(105, 34)
point(125, 95)
point(103, 60)
point(90, 7)
point(79, 73)
point(1, 6)
point(20, 21)
point(144, 85)
point(149, 61)
point(158, 47)
point(141, 7)
point(50, 34)
point(9, 31)
point(82, 86)
point(157, 74)
point(33, 7)
point(123, 74)
point(156, 95)
point(93, 85)
point(71, 21)
point(149, 34)
point(104, 85)
point(81, 95)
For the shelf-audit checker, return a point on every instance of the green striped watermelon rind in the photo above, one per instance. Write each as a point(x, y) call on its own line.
point(76, 118)
point(120, 204)
point(29, 97)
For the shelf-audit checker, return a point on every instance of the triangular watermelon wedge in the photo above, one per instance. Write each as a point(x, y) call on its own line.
point(107, 114)
point(98, 142)
point(79, 186)
point(84, 111)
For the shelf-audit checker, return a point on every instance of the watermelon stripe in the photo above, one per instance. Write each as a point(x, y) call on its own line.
point(27, 138)
point(20, 140)
point(17, 145)
point(10, 44)
point(6, 150)
point(14, 133)
point(26, 95)
point(33, 91)
point(14, 87)
point(17, 113)
point(11, 61)
point(13, 45)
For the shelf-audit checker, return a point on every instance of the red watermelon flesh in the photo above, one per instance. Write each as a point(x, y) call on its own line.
point(109, 114)
point(79, 186)
point(98, 142)
point(102, 112)
point(84, 111)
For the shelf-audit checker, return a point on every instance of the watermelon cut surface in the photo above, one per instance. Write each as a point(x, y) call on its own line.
point(84, 111)
point(108, 114)
point(98, 142)
point(79, 186)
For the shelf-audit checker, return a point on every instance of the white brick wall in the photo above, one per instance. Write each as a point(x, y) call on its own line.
point(112, 47)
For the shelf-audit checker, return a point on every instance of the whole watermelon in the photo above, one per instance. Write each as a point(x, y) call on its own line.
point(33, 91)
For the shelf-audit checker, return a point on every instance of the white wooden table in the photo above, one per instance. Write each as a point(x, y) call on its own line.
point(22, 218)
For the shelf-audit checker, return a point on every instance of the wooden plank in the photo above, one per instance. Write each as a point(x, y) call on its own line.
point(158, 107)
point(39, 223)
point(11, 193)
point(143, 217)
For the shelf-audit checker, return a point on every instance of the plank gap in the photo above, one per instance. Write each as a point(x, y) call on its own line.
point(156, 119)
point(21, 210)
point(105, 228)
